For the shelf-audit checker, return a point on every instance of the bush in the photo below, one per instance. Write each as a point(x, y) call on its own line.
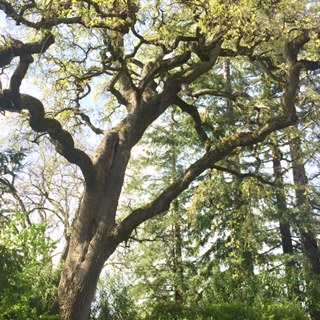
point(233, 311)
point(283, 311)
point(173, 311)
point(28, 280)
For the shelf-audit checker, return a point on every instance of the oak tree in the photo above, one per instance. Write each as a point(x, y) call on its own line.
point(140, 58)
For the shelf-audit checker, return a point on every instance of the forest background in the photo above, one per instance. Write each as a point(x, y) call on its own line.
point(159, 159)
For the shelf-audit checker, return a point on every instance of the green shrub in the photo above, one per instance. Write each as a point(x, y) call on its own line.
point(171, 311)
point(233, 311)
point(282, 311)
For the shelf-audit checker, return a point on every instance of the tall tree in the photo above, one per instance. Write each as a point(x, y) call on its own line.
point(145, 57)
point(243, 264)
point(158, 257)
point(284, 222)
point(308, 239)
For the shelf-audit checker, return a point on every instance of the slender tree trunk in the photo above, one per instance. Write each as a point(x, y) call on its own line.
point(282, 210)
point(177, 260)
point(177, 256)
point(308, 239)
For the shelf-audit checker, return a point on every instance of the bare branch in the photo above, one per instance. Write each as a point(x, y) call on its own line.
point(87, 120)
point(224, 94)
point(193, 112)
point(240, 175)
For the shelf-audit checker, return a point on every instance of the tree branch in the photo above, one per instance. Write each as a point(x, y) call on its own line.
point(53, 19)
point(16, 48)
point(162, 203)
point(12, 100)
point(244, 175)
point(61, 138)
point(309, 65)
point(292, 49)
point(295, 45)
point(153, 108)
point(87, 120)
point(223, 94)
point(193, 112)
point(157, 67)
point(205, 65)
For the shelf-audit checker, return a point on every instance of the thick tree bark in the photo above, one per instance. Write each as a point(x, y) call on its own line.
point(92, 242)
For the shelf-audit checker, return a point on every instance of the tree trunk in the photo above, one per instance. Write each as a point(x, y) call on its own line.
point(77, 286)
point(92, 240)
point(177, 256)
point(308, 239)
point(284, 225)
point(88, 250)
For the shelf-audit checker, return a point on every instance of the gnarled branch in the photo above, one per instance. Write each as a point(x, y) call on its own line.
point(61, 138)
point(15, 48)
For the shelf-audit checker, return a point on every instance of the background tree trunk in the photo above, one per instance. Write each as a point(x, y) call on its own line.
point(284, 225)
point(308, 239)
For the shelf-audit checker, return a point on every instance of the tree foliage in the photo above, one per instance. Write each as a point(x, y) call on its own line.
point(94, 78)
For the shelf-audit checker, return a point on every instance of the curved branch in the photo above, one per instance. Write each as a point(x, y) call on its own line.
point(150, 110)
point(61, 138)
point(16, 79)
point(207, 64)
point(87, 120)
point(10, 11)
point(16, 48)
point(12, 100)
point(295, 45)
point(157, 67)
point(162, 203)
point(5, 184)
